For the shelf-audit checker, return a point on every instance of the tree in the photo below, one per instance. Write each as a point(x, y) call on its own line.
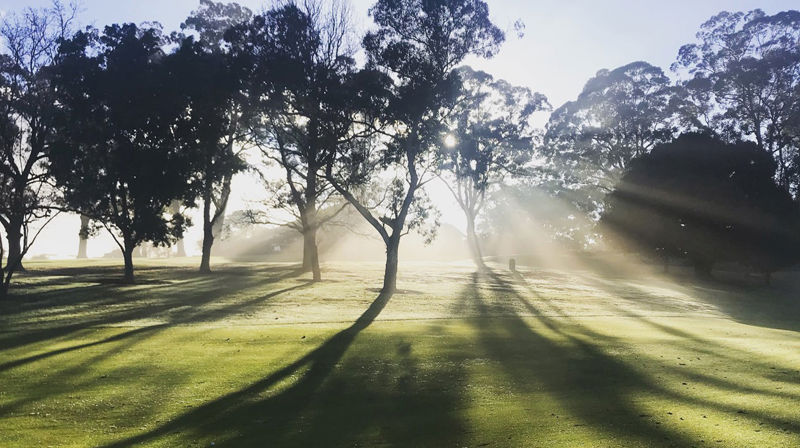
point(418, 43)
point(303, 67)
point(29, 43)
point(115, 155)
point(619, 115)
point(491, 138)
point(214, 127)
point(709, 201)
point(743, 82)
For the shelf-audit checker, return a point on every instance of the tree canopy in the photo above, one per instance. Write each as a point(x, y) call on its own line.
point(708, 201)
point(115, 156)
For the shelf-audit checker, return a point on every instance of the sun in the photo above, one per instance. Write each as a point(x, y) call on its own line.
point(450, 141)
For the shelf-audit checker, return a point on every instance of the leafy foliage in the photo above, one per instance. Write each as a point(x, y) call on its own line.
point(709, 201)
point(745, 82)
point(116, 157)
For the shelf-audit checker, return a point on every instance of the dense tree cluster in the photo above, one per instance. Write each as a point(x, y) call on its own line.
point(130, 126)
point(709, 201)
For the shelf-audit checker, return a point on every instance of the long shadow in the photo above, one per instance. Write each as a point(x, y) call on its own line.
point(228, 411)
point(183, 317)
point(593, 386)
point(114, 306)
point(630, 380)
point(179, 314)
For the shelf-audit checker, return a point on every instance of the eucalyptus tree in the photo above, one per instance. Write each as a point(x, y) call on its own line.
point(214, 124)
point(743, 75)
point(301, 59)
point(619, 115)
point(115, 155)
point(491, 140)
point(418, 44)
point(28, 45)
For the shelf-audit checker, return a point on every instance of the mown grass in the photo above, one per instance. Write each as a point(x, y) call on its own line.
point(255, 355)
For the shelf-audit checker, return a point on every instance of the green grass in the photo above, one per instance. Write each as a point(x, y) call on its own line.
point(255, 355)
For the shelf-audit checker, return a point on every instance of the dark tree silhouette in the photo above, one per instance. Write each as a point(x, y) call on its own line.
point(115, 155)
point(29, 44)
point(743, 81)
point(709, 201)
point(419, 43)
point(491, 139)
point(302, 69)
point(214, 127)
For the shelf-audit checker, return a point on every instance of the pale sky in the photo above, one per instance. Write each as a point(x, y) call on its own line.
point(565, 43)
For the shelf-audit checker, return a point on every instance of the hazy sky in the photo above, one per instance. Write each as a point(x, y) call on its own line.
point(565, 43)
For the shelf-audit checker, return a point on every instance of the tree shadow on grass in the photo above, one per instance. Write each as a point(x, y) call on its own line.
point(330, 400)
point(47, 313)
point(595, 387)
point(606, 386)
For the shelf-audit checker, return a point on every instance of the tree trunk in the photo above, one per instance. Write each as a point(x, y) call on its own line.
point(311, 254)
point(83, 238)
point(14, 234)
point(666, 264)
point(208, 233)
point(181, 251)
point(474, 242)
point(127, 255)
point(390, 273)
point(208, 241)
point(310, 226)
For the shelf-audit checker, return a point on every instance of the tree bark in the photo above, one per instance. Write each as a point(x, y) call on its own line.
point(83, 238)
point(127, 255)
point(390, 272)
point(208, 234)
point(311, 254)
point(310, 225)
point(14, 236)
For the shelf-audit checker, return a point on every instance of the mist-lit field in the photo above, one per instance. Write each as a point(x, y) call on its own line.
point(256, 355)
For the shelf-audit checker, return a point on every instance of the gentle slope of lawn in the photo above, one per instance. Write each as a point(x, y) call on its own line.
point(255, 355)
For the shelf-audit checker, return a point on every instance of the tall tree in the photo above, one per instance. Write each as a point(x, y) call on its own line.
point(418, 43)
point(29, 42)
point(743, 81)
point(214, 126)
point(115, 155)
point(619, 115)
point(302, 63)
point(491, 139)
point(588, 143)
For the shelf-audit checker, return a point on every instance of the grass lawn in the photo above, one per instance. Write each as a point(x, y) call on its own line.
point(255, 355)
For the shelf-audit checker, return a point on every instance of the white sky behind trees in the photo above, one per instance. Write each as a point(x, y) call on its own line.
point(565, 43)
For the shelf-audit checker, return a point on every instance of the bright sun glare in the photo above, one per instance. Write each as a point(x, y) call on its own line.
point(450, 141)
